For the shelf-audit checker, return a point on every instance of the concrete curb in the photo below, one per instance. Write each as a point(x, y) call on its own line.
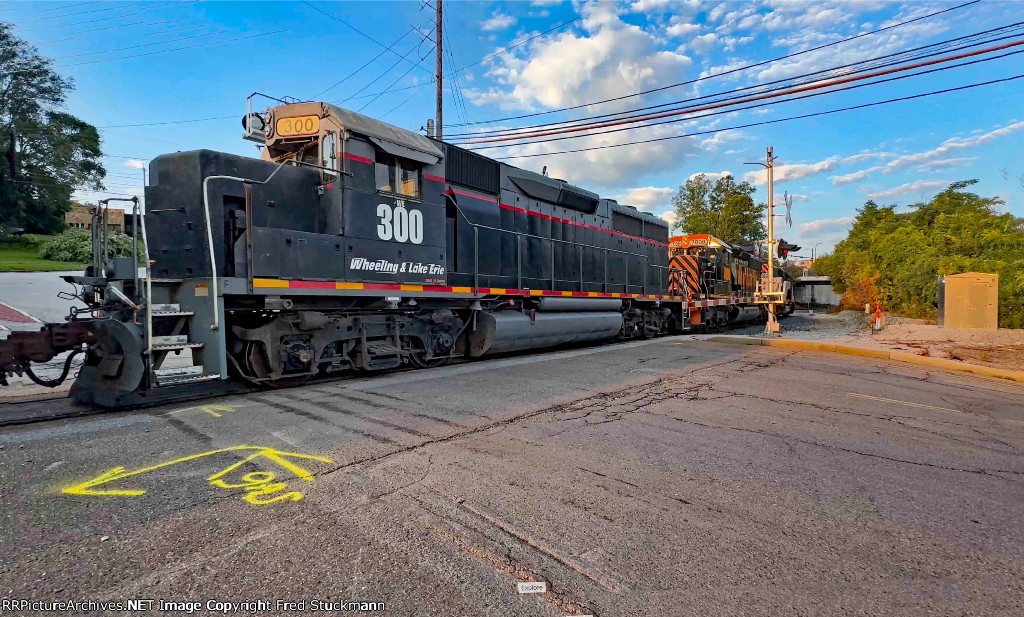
point(897, 356)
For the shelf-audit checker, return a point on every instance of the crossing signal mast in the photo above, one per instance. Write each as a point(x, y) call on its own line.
point(768, 292)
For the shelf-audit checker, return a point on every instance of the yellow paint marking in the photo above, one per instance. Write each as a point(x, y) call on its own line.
point(462, 290)
point(269, 283)
point(536, 292)
point(411, 287)
point(892, 400)
point(259, 486)
point(593, 294)
point(566, 293)
point(210, 409)
point(348, 285)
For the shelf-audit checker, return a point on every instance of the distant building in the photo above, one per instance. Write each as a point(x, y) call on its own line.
point(79, 217)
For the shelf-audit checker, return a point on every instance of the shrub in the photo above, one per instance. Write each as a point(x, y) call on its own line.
point(76, 245)
point(896, 258)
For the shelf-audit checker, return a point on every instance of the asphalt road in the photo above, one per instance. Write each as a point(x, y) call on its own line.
point(36, 293)
point(673, 477)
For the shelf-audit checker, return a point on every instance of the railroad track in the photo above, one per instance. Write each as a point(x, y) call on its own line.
point(61, 407)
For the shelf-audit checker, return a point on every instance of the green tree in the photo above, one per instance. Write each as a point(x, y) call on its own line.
point(895, 258)
point(47, 153)
point(723, 209)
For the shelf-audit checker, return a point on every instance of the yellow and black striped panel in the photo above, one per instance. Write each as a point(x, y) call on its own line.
point(683, 275)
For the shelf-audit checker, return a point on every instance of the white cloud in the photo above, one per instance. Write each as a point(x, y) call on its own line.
point(819, 225)
point(646, 198)
point(798, 25)
point(798, 171)
point(135, 164)
point(669, 216)
point(610, 57)
point(944, 163)
point(681, 29)
point(711, 175)
point(498, 21)
point(719, 139)
point(920, 186)
point(608, 166)
point(797, 197)
point(704, 42)
point(918, 158)
point(659, 6)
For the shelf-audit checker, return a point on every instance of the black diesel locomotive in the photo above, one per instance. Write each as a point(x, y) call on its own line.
point(351, 244)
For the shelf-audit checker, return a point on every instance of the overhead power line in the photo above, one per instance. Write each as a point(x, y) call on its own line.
point(91, 30)
point(366, 64)
point(815, 86)
point(163, 51)
point(757, 105)
point(497, 53)
point(396, 81)
point(117, 49)
point(775, 121)
point(109, 8)
point(354, 29)
point(728, 72)
point(935, 49)
point(388, 70)
point(142, 10)
point(125, 126)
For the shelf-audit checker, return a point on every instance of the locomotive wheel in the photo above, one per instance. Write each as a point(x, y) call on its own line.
point(417, 359)
point(254, 363)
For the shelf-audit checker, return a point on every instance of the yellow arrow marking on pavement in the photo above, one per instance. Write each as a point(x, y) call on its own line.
point(213, 410)
point(257, 484)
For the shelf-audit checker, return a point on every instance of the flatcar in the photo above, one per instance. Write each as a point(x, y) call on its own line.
point(355, 245)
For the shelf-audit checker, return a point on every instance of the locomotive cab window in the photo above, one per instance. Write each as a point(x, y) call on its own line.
point(397, 176)
point(329, 153)
point(309, 154)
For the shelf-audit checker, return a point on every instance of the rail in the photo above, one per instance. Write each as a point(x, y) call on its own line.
point(519, 253)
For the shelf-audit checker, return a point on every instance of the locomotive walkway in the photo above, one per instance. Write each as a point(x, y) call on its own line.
point(666, 477)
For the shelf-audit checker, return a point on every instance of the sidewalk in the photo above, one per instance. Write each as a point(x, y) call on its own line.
point(878, 351)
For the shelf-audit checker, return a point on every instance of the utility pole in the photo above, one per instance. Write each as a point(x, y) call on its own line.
point(773, 320)
point(439, 77)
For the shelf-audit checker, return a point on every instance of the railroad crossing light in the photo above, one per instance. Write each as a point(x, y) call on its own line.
point(785, 248)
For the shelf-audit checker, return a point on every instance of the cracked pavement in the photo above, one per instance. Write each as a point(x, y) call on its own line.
point(672, 477)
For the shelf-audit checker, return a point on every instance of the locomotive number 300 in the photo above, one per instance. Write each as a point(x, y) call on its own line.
point(400, 224)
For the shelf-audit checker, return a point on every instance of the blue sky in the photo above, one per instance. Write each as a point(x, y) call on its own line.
point(201, 59)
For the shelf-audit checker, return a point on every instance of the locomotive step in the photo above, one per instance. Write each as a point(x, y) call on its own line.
point(170, 339)
point(173, 313)
point(166, 308)
point(181, 371)
point(174, 381)
point(174, 346)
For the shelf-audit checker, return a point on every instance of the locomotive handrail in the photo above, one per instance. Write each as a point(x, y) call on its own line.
point(209, 233)
point(519, 234)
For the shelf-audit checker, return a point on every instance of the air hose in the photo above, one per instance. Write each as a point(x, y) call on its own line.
point(53, 383)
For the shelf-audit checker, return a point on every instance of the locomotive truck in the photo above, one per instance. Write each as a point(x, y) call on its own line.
point(355, 245)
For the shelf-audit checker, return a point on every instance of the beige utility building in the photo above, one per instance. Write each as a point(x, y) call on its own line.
point(80, 218)
point(969, 300)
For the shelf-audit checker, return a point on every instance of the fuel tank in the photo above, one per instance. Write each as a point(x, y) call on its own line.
point(512, 330)
point(745, 313)
point(579, 304)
